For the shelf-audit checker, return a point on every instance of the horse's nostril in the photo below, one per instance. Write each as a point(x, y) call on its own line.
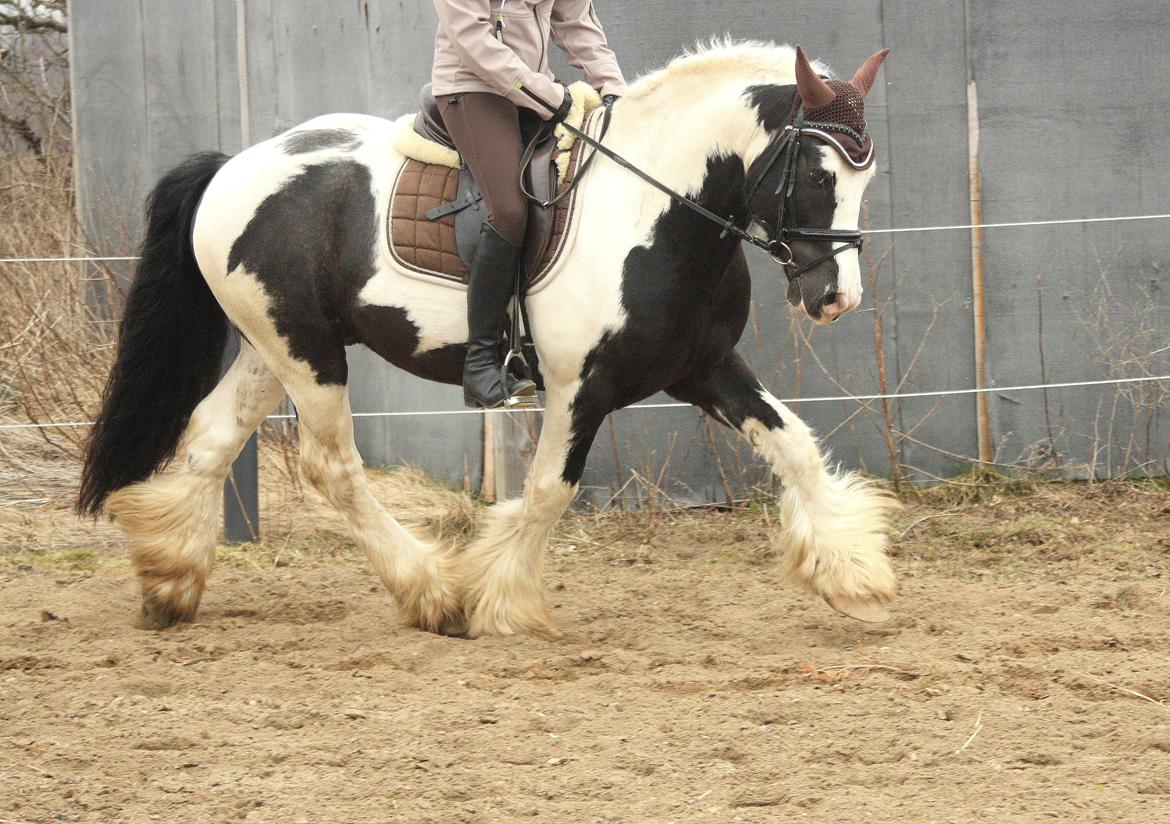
point(831, 297)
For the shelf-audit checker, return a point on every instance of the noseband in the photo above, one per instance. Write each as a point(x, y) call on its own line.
point(785, 150)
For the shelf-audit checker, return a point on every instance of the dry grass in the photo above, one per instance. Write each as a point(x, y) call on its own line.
point(299, 526)
point(55, 328)
point(55, 339)
point(1051, 527)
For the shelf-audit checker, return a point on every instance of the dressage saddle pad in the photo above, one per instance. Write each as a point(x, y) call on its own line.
point(429, 247)
point(432, 247)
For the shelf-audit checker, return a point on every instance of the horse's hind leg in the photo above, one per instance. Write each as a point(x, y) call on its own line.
point(835, 524)
point(418, 574)
point(172, 519)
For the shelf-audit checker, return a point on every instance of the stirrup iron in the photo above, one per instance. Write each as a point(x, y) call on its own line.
point(526, 399)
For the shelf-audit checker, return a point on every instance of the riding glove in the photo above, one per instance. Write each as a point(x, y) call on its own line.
point(563, 111)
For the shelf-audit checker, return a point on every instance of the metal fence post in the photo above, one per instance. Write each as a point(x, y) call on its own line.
point(241, 497)
point(241, 489)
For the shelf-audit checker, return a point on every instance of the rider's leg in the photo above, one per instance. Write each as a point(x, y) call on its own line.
point(486, 130)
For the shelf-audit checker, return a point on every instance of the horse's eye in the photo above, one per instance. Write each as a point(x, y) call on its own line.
point(820, 177)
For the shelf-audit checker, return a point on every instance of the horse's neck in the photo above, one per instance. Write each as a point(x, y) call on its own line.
point(674, 131)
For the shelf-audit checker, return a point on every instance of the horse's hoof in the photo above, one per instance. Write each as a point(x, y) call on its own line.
point(452, 628)
point(483, 623)
point(157, 616)
point(869, 610)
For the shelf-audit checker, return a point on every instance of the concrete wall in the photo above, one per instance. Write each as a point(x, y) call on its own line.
point(1073, 121)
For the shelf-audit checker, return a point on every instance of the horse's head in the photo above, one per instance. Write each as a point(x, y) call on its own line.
point(805, 189)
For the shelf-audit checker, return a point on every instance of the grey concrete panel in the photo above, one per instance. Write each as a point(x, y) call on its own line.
point(182, 86)
point(1073, 125)
point(227, 77)
point(109, 77)
point(262, 70)
point(933, 338)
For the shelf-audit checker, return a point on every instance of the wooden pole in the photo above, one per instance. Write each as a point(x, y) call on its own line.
point(978, 281)
point(487, 486)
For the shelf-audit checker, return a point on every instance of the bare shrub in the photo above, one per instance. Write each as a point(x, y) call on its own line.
point(55, 343)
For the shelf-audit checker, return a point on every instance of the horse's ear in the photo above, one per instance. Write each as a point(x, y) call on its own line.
point(813, 90)
point(863, 80)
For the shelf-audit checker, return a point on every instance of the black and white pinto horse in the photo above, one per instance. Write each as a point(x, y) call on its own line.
point(284, 241)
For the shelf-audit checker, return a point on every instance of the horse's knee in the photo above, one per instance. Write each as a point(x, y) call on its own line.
point(212, 453)
point(547, 497)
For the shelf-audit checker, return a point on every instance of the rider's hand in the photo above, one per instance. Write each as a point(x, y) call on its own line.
point(609, 99)
point(562, 112)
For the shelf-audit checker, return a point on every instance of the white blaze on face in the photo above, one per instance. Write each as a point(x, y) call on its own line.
point(849, 187)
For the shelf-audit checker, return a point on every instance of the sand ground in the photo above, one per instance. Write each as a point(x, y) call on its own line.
point(1024, 677)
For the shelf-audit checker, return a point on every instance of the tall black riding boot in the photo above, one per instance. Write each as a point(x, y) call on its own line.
point(492, 280)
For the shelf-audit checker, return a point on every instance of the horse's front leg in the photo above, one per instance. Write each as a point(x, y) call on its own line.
point(835, 524)
point(501, 568)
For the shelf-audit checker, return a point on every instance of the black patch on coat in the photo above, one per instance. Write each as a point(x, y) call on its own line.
point(389, 333)
point(315, 140)
point(729, 392)
point(686, 296)
point(311, 245)
point(773, 104)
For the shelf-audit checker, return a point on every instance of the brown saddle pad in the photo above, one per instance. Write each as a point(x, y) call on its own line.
point(429, 247)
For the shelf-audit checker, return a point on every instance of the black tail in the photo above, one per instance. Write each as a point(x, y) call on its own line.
point(170, 344)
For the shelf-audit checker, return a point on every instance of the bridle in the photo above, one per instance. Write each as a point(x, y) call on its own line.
point(783, 148)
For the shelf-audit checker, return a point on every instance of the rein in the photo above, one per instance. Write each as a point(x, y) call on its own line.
point(785, 147)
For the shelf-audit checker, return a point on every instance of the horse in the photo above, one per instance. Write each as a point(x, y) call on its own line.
point(283, 242)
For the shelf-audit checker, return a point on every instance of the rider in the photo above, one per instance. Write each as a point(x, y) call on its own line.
point(492, 81)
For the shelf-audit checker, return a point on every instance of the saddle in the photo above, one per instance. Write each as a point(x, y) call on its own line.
point(436, 209)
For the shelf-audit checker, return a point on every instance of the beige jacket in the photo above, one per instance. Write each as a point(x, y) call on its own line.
point(501, 46)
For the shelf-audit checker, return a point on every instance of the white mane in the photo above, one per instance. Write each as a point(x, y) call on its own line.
point(722, 56)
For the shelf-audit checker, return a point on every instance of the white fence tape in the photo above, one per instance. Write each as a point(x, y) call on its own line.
point(1118, 219)
point(823, 399)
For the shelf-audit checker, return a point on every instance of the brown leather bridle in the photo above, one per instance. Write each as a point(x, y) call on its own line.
point(785, 150)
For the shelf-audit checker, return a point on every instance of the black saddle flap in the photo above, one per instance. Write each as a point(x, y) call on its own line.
point(469, 218)
point(540, 178)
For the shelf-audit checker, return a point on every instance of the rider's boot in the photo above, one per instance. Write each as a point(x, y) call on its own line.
point(488, 290)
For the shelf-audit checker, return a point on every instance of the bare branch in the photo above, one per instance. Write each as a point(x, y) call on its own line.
point(39, 17)
point(21, 129)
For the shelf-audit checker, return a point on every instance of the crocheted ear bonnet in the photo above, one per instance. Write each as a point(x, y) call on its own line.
point(834, 110)
point(841, 124)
